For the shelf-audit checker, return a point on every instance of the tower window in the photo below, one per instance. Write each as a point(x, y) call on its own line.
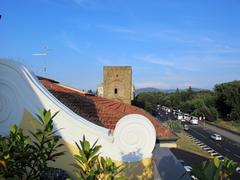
point(117, 75)
point(115, 91)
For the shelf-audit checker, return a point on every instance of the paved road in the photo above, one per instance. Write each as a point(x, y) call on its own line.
point(226, 147)
point(229, 146)
point(223, 132)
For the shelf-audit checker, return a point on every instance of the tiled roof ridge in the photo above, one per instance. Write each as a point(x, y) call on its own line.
point(71, 88)
point(107, 111)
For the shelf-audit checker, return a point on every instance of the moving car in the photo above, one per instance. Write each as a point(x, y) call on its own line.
point(194, 120)
point(179, 116)
point(238, 170)
point(187, 117)
point(185, 127)
point(216, 137)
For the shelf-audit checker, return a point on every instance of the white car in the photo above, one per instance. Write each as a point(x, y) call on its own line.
point(188, 168)
point(187, 117)
point(185, 127)
point(194, 121)
point(216, 137)
point(238, 170)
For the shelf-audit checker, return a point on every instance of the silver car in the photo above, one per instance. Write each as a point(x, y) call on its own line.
point(216, 137)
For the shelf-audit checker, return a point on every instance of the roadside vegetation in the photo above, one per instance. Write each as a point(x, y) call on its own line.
point(184, 142)
point(223, 102)
point(231, 125)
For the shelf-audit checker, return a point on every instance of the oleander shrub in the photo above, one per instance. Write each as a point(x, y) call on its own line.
point(91, 166)
point(25, 157)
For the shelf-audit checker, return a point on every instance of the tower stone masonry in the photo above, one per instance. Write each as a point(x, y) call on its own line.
point(117, 83)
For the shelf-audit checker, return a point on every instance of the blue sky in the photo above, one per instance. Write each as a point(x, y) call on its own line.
point(168, 43)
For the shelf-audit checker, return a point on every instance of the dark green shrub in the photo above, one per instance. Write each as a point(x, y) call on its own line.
point(45, 144)
point(14, 154)
point(215, 169)
point(22, 157)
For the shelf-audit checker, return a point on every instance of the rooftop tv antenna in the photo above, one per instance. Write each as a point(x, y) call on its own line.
point(43, 53)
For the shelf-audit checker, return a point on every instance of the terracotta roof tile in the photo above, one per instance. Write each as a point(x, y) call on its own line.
point(101, 111)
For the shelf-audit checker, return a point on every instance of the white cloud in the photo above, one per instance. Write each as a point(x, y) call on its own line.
point(155, 60)
point(72, 45)
point(176, 62)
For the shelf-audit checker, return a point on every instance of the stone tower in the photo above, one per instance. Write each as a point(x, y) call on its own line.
point(117, 83)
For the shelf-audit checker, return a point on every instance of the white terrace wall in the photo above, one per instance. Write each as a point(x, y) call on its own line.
point(21, 94)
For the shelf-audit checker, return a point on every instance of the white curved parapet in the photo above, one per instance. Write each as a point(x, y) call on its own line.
point(133, 138)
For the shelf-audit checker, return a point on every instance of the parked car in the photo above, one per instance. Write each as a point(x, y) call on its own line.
point(216, 137)
point(185, 127)
point(188, 169)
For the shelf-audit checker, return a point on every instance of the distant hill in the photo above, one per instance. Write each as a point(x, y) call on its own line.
point(148, 89)
point(151, 89)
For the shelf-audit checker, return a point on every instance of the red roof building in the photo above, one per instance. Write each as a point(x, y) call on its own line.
point(101, 111)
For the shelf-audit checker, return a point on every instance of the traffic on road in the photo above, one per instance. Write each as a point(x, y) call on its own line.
point(217, 144)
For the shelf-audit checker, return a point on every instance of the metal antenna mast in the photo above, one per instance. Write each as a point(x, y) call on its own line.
point(43, 53)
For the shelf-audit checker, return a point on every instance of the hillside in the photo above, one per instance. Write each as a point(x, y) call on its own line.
point(151, 89)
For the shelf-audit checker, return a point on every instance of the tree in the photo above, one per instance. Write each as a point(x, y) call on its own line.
point(228, 100)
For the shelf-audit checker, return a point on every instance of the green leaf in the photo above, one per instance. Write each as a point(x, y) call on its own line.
point(13, 128)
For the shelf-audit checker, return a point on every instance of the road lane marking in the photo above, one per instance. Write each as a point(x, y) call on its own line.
point(226, 149)
point(211, 151)
point(206, 148)
point(214, 154)
point(199, 134)
point(237, 155)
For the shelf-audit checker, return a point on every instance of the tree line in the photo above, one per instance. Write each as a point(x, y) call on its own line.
point(223, 102)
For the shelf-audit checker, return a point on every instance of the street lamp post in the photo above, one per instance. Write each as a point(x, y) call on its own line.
point(204, 123)
point(203, 118)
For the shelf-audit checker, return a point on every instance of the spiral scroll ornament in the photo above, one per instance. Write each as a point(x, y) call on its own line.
point(135, 136)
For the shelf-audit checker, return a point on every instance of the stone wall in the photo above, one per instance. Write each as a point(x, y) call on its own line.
point(117, 83)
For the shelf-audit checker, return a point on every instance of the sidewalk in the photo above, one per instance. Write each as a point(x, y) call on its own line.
point(226, 133)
